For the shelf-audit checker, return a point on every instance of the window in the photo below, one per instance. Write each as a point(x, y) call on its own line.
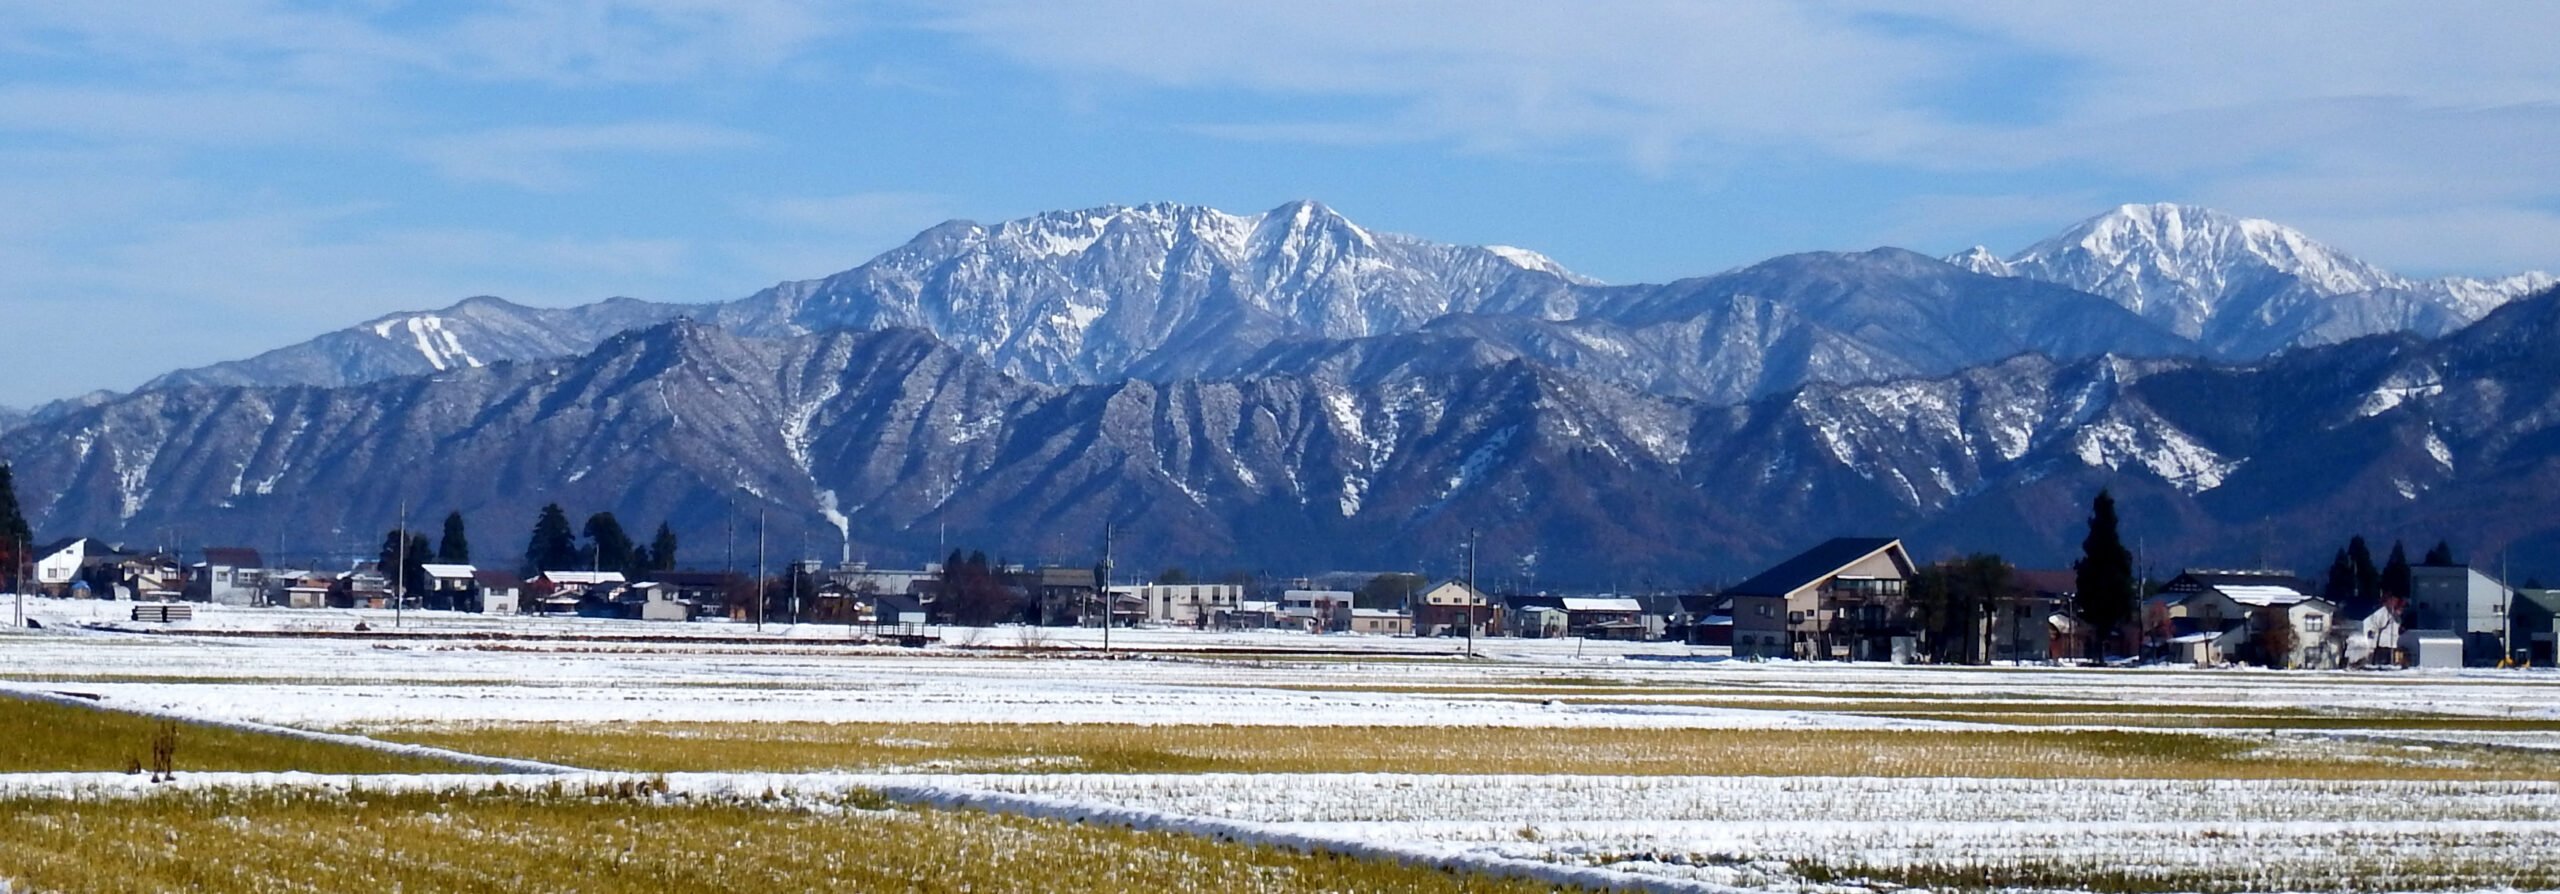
point(1764, 609)
point(2315, 623)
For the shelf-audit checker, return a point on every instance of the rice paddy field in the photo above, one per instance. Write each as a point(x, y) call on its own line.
point(453, 754)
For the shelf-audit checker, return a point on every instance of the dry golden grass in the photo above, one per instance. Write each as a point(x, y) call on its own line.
point(43, 736)
point(1112, 748)
point(217, 841)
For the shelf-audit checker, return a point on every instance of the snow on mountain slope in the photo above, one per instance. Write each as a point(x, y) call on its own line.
point(476, 332)
point(1157, 290)
point(2244, 287)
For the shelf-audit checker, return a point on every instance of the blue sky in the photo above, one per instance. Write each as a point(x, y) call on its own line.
point(192, 182)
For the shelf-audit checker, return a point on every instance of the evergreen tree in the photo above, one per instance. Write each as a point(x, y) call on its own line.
point(553, 546)
point(608, 548)
point(16, 540)
point(2368, 579)
point(409, 547)
point(662, 549)
point(2441, 556)
point(2340, 585)
point(455, 549)
point(2105, 573)
point(2395, 574)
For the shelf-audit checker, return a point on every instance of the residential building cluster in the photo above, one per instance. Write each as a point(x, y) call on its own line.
point(1853, 599)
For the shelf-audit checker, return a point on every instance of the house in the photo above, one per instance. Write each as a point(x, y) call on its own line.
point(1254, 614)
point(1663, 615)
point(361, 587)
point(2535, 617)
point(2205, 643)
point(1381, 621)
point(2250, 602)
point(1183, 605)
point(1316, 611)
point(1710, 619)
point(860, 577)
point(2373, 639)
point(501, 592)
point(2034, 621)
point(1455, 609)
point(150, 577)
point(575, 582)
point(655, 601)
point(62, 564)
point(1064, 596)
point(299, 589)
point(228, 575)
point(450, 587)
point(1606, 617)
point(711, 591)
point(2459, 602)
point(898, 615)
point(1838, 600)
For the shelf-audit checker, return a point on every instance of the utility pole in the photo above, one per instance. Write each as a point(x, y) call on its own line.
point(400, 575)
point(1473, 595)
point(759, 570)
point(1106, 588)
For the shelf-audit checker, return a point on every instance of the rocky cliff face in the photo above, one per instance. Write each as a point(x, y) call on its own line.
point(892, 439)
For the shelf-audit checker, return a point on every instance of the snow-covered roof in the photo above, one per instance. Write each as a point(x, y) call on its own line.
point(1601, 604)
point(2262, 594)
point(1375, 613)
point(447, 571)
point(583, 577)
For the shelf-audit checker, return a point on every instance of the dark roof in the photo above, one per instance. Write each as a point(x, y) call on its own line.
point(1523, 601)
point(1665, 605)
point(1704, 604)
point(90, 548)
point(1809, 566)
point(889, 605)
point(233, 556)
point(497, 579)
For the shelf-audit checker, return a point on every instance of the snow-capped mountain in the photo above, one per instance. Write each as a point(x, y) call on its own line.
point(1157, 291)
point(1814, 317)
point(476, 332)
point(889, 438)
point(2244, 287)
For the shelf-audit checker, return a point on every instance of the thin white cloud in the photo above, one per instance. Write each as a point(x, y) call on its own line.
point(2404, 109)
point(545, 158)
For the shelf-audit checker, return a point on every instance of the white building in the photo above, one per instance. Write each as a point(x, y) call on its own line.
point(2458, 602)
point(1319, 611)
point(1183, 605)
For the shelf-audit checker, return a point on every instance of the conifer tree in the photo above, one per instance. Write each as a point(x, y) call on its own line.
point(662, 549)
point(2395, 574)
point(455, 548)
point(2368, 579)
point(553, 546)
point(2441, 556)
point(2105, 573)
point(608, 548)
point(408, 579)
point(2339, 587)
point(15, 538)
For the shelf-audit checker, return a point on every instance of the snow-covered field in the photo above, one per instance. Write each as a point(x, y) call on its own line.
point(1791, 833)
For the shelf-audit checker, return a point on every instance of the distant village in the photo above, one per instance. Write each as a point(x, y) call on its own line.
point(1846, 599)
